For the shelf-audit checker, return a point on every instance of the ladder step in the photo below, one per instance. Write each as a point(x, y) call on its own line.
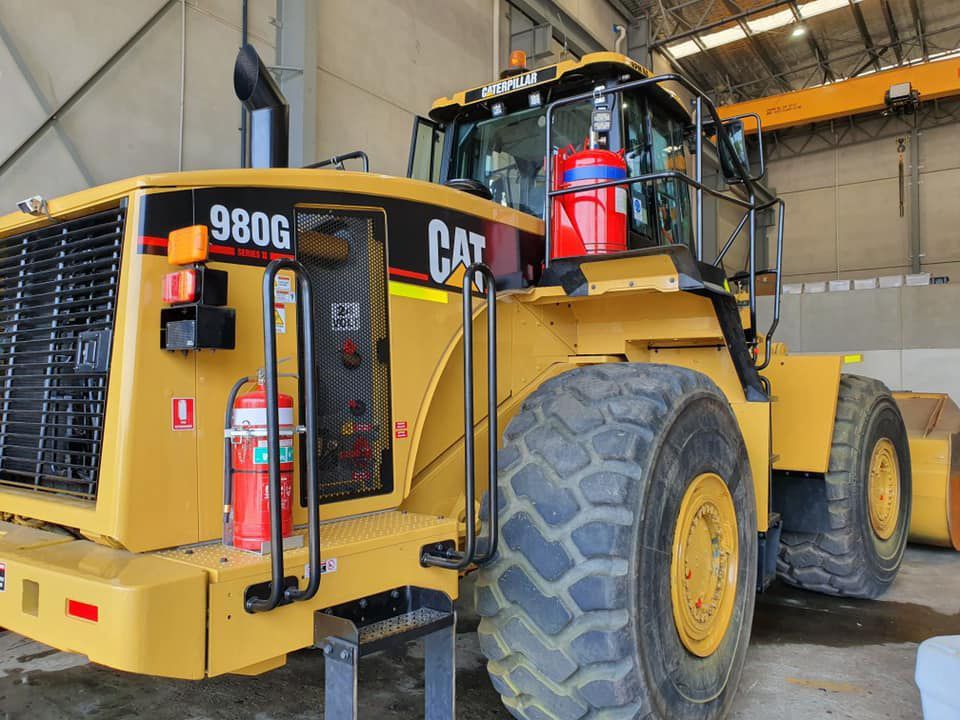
point(403, 627)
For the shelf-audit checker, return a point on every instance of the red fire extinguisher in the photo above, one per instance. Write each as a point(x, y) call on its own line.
point(250, 469)
point(589, 222)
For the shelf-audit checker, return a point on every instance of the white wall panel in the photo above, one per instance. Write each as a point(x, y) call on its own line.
point(940, 215)
point(807, 172)
point(871, 233)
point(810, 232)
point(32, 173)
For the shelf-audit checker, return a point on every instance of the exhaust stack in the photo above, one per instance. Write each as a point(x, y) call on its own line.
point(269, 112)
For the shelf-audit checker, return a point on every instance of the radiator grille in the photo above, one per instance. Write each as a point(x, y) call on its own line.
point(344, 255)
point(58, 290)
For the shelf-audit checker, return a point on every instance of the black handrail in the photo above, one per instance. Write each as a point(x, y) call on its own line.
point(454, 560)
point(768, 338)
point(306, 386)
point(337, 161)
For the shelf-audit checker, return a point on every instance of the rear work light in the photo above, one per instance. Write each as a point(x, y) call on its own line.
point(180, 287)
point(83, 611)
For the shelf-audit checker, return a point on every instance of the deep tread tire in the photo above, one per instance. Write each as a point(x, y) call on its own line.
point(576, 615)
point(851, 560)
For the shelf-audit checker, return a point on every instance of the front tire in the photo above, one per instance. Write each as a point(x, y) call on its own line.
point(868, 488)
point(624, 583)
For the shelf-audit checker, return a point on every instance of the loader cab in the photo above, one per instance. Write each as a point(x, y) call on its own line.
point(490, 141)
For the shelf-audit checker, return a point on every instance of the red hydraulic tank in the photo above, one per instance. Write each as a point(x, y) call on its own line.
point(590, 221)
point(251, 473)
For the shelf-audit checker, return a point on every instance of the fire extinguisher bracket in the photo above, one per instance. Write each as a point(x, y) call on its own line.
point(289, 543)
point(244, 433)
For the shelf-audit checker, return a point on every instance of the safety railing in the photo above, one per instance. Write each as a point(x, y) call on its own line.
point(279, 592)
point(759, 197)
point(476, 552)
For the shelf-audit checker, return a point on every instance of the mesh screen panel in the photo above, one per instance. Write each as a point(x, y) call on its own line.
point(58, 292)
point(344, 255)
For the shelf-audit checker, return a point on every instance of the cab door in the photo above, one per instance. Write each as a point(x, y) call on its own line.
point(654, 142)
point(426, 150)
point(672, 197)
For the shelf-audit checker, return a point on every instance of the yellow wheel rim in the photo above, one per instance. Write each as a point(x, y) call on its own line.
point(703, 574)
point(883, 489)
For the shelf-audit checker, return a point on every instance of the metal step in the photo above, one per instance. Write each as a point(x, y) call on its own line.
point(364, 626)
point(402, 628)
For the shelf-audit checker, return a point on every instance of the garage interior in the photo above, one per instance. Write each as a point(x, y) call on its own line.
point(860, 105)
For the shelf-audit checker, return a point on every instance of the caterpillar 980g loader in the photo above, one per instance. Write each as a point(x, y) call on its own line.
point(660, 460)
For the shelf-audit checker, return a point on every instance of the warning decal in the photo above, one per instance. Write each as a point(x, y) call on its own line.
point(3, 577)
point(283, 290)
point(326, 567)
point(400, 429)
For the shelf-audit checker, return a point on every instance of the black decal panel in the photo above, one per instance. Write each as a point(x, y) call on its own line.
point(426, 244)
point(511, 84)
point(249, 226)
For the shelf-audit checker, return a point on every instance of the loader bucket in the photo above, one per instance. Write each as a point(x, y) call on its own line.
point(933, 426)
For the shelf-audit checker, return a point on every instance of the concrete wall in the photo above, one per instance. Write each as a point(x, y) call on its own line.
point(378, 63)
point(381, 62)
point(128, 121)
point(909, 337)
point(843, 212)
point(597, 17)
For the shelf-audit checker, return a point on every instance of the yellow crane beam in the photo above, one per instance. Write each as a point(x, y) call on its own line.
point(858, 95)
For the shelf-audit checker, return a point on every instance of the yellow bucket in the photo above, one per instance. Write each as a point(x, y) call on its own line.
point(933, 426)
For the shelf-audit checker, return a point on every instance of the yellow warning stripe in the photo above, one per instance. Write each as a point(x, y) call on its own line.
point(418, 292)
point(855, 358)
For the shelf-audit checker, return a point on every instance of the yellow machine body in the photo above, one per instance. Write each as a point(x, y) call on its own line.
point(146, 551)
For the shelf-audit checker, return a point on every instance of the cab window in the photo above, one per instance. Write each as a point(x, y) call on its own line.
point(426, 150)
point(506, 154)
point(654, 142)
point(642, 231)
point(672, 196)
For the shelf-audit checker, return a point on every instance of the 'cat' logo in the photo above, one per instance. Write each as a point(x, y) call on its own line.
point(450, 260)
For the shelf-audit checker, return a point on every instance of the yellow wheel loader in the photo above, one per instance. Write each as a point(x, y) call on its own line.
point(606, 437)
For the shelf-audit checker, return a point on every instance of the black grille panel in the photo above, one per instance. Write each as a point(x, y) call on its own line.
point(344, 254)
point(58, 291)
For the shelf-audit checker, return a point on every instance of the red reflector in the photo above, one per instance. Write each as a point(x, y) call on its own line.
point(180, 286)
point(83, 611)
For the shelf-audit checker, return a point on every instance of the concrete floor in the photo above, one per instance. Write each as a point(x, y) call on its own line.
point(811, 657)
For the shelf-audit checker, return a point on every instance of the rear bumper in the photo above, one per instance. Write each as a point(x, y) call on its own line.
point(180, 613)
point(151, 610)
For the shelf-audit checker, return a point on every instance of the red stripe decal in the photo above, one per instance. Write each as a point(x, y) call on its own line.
point(281, 256)
point(153, 241)
point(220, 250)
point(409, 274)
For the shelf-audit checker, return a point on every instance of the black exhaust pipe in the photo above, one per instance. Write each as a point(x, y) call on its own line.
point(269, 112)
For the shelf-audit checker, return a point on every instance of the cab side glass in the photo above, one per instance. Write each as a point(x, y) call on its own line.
point(426, 150)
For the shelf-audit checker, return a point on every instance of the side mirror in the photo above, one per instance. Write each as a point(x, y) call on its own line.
point(738, 143)
point(736, 149)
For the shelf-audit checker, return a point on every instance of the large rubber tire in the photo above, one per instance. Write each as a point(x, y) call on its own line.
point(851, 559)
point(576, 614)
